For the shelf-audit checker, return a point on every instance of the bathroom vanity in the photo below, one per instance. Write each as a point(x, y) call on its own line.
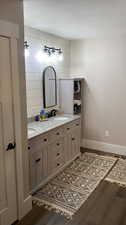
point(52, 145)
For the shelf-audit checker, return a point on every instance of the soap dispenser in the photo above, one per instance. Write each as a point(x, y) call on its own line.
point(42, 114)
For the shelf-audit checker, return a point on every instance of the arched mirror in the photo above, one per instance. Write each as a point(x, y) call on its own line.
point(49, 87)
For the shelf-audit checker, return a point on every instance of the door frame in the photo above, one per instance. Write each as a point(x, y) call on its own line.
point(11, 31)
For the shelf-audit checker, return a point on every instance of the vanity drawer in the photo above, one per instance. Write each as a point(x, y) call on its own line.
point(76, 123)
point(45, 139)
point(37, 143)
point(57, 133)
point(58, 163)
point(68, 127)
point(58, 148)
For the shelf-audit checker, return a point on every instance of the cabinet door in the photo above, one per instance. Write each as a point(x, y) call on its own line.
point(75, 142)
point(72, 143)
point(38, 167)
point(68, 147)
point(35, 169)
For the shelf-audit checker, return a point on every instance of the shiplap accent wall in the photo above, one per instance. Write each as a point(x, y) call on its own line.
point(36, 39)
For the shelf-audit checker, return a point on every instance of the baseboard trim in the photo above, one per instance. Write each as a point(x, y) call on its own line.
point(104, 147)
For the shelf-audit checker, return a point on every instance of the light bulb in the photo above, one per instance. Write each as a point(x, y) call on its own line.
point(39, 56)
point(42, 56)
point(53, 57)
point(47, 59)
point(60, 57)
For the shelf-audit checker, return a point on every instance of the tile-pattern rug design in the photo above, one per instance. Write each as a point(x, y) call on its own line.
point(66, 192)
point(118, 173)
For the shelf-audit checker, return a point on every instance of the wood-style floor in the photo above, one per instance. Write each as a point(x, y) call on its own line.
point(106, 206)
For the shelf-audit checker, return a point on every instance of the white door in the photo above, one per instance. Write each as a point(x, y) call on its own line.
point(8, 195)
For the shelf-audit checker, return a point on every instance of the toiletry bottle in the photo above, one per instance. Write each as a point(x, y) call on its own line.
point(42, 115)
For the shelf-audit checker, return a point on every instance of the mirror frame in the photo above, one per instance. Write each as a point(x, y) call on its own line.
point(44, 94)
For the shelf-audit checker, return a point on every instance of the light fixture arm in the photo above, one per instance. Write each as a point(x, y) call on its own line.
point(26, 46)
point(51, 50)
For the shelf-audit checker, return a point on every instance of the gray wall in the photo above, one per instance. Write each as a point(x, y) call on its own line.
point(9, 10)
point(103, 65)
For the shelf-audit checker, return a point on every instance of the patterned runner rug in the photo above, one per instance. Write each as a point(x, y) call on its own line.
point(66, 192)
point(118, 173)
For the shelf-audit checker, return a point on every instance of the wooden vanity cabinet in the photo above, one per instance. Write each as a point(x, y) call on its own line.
point(51, 152)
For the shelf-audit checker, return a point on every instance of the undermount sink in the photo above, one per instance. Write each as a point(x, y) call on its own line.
point(61, 118)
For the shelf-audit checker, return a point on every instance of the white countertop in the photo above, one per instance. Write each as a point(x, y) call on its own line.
point(36, 128)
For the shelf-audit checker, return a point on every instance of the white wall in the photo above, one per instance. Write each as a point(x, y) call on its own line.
point(36, 40)
point(103, 64)
point(9, 10)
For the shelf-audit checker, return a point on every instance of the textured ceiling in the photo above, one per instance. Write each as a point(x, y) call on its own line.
point(76, 19)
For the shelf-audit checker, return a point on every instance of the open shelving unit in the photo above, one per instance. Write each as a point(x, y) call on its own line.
point(70, 94)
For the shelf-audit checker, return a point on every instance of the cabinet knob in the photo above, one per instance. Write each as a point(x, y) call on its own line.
point(37, 160)
point(58, 164)
point(29, 147)
point(73, 139)
point(58, 154)
point(68, 128)
point(58, 144)
point(45, 139)
point(57, 133)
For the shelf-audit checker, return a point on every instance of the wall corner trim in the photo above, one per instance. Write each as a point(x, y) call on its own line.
point(104, 147)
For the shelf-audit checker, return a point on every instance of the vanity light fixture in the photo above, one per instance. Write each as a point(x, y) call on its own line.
point(54, 53)
point(26, 47)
